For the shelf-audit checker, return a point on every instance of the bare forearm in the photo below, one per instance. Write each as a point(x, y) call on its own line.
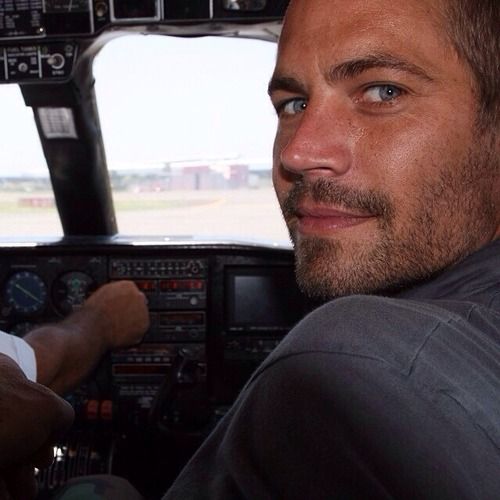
point(68, 351)
point(114, 316)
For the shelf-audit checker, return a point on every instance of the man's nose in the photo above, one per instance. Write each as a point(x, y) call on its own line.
point(320, 144)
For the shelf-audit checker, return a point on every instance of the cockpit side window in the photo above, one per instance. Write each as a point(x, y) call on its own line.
point(26, 199)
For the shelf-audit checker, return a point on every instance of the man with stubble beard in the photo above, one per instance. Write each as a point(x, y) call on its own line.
point(386, 166)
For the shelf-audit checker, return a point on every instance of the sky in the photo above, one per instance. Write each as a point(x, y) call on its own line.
point(162, 99)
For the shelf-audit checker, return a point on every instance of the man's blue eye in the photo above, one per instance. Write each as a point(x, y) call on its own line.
point(382, 93)
point(294, 106)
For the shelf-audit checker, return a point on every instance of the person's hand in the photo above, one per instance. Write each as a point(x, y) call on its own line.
point(124, 308)
point(32, 418)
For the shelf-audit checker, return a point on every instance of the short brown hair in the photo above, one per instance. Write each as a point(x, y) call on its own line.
point(474, 29)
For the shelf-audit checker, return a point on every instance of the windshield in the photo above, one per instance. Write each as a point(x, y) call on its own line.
point(188, 135)
point(188, 130)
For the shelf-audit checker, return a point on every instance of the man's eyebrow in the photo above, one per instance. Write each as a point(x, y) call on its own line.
point(285, 83)
point(355, 67)
point(351, 69)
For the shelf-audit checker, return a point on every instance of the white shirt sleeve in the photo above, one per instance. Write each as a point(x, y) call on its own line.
point(21, 352)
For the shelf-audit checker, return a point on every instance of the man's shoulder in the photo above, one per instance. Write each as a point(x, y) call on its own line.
point(367, 325)
point(392, 331)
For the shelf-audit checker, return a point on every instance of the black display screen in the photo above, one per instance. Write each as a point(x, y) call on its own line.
point(132, 9)
point(184, 10)
point(67, 16)
point(262, 299)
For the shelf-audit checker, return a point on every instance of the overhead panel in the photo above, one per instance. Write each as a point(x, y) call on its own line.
point(40, 40)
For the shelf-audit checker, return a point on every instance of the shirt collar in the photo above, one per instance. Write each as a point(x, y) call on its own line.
point(477, 273)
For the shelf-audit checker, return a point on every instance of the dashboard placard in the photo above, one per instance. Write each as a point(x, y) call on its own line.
point(66, 6)
point(20, 18)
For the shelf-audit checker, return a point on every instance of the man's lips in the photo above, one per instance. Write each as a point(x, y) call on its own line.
point(319, 219)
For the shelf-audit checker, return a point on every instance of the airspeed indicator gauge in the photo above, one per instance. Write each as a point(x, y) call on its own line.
point(26, 292)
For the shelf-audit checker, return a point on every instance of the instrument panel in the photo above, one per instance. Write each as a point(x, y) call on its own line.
point(216, 312)
point(226, 303)
point(42, 289)
point(31, 19)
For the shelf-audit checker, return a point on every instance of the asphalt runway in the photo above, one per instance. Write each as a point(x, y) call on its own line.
point(240, 214)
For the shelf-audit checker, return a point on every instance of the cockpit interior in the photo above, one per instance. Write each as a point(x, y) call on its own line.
point(217, 304)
